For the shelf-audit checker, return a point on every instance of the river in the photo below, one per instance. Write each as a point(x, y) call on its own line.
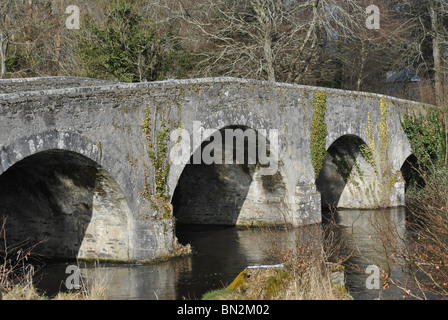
point(222, 252)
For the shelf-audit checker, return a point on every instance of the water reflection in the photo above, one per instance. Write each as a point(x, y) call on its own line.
point(222, 252)
point(370, 232)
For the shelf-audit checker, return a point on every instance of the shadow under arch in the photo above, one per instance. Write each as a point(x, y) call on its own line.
point(67, 198)
point(69, 141)
point(348, 177)
point(230, 193)
point(411, 173)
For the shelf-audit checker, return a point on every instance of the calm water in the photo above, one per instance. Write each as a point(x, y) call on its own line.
point(359, 230)
point(223, 252)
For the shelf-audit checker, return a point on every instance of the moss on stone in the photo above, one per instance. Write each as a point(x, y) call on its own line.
point(239, 280)
point(158, 154)
point(275, 283)
point(383, 133)
point(318, 132)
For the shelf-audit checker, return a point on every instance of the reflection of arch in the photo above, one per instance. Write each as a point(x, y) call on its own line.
point(49, 189)
point(348, 177)
point(226, 193)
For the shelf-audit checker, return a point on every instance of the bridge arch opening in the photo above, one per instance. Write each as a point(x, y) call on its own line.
point(348, 178)
point(235, 193)
point(69, 201)
point(411, 173)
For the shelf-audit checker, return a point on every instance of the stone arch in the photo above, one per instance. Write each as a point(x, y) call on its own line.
point(251, 192)
point(410, 172)
point(226, 119)
point(349, 175)
point(58, 185)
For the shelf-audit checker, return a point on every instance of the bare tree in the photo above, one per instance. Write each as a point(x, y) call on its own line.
point(9, 25)
point(33, 37)
point(426, 41)
point(275, 40)
point(437, 9)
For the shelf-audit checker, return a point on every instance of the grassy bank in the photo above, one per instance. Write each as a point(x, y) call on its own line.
point(17, 273)
point(305, 273)
point(315, 283)
point(25, 292)
point(92, 286)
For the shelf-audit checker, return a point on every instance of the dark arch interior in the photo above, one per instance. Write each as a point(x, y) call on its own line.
point(217, 194)
point(51, 196)
point(337, 168)
point(411, 173)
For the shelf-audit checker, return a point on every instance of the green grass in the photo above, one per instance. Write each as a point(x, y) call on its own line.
point(220, 294)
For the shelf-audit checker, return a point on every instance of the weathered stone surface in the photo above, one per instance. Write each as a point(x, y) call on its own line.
point(46, 83)
point(103, 123)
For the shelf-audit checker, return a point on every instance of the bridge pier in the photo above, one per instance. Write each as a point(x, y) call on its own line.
point(307, 202)
point(397, 191)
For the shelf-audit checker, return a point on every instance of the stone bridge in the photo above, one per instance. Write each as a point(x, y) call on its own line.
point(87, 164)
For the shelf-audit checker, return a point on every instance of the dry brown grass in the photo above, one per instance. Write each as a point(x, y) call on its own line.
point(421, 254)
point(305, 274)
point(93, 287)
point(17, 274)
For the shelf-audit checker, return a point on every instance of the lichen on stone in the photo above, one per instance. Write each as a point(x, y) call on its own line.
point(318, 132)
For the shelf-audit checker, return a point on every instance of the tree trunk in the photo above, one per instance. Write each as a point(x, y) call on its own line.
point(293, 75)
point(28, 31)
point(436, 37)
point(268, 56)
point(361, 67)
point(265, 16)
point(3, 47)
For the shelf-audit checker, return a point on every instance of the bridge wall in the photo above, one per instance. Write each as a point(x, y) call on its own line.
point(106, 124)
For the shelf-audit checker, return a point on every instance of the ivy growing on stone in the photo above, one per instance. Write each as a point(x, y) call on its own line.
point(383, 133)
point(318, 132)
point(158, 154)
point(368, 150)
point(427, 137)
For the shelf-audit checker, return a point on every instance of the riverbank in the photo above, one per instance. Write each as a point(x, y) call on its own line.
point(91, 287)
point(304, 272)
point(298, 281)
point(221, 253)
point(25, 292)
